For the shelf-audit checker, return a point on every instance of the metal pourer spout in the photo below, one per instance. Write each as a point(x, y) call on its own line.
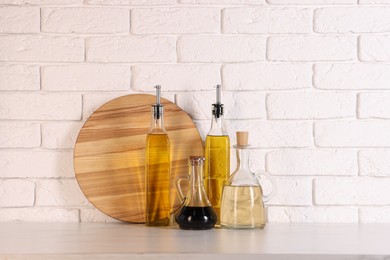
point(158, 94)
point(218, 106)
point(219, 92)
point(158, 108)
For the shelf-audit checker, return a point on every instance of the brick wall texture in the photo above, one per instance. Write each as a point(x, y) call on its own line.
point(310, 80)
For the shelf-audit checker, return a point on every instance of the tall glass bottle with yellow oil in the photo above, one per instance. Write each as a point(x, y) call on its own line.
point(158, 179)
point(217, 153)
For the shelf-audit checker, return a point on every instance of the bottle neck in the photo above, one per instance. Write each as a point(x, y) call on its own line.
point(157, 122)
point(197, 195)
point(217, 121)
point(242, 153)
point(196, 176)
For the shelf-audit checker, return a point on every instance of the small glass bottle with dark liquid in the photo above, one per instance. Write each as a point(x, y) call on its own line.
point(196, 212)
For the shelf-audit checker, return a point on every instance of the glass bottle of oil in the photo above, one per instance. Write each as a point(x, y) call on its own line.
point(217, 152)
point(158, 179)
point(242, 198)
point(196, 212)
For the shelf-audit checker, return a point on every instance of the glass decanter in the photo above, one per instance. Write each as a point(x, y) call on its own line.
point(196, 211)
point(242, 196)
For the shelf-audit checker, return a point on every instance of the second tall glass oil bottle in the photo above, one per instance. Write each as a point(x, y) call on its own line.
point(217, 153)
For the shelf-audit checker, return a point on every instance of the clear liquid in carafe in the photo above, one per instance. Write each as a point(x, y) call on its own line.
point(242, 207)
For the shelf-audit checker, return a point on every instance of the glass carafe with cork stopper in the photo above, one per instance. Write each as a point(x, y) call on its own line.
point(196, 211)
point(217, 152)
point(157, 172)
point(243, 200)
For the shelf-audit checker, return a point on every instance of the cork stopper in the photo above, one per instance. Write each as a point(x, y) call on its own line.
point(242, 138)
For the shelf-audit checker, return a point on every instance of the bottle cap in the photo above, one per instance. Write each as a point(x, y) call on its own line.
point(196, 160)
point(242, 138)
point(218, 106)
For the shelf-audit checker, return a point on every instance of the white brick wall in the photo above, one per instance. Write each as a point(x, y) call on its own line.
point(375, 48)
point(232, 2)
point(131, 49)
point(19, 77)
point(85, 20)
point(313, 215)
point(375, 214)
point(297, 191)
point(312, 162)
point(17, 193)
point(130, 2)
point(237, 104)
point(175, 77)
point(221, 48)
point(266, 20)
point(20, 135)
point(175, 20)
point(59, 192)
point(374, 162)
point(310, 105)
point(273, 134)
point(352, 20)
point(357, 133)
point(312, 2)
point(88, 77)
point(266, 76)
point(36, 164)
point(374, 2)
point(312, 48)
point(352, 191)
point(19, 19)
point(40, 2)
point(374, 105)
point(36, 48)
point(60, 135)
point(40, 106)
point(310, 80)
point(351, 76)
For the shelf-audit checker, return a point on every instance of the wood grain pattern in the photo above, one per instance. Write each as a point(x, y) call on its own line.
point(109, 155)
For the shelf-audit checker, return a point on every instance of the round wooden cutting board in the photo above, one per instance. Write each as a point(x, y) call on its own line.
point(109, 156)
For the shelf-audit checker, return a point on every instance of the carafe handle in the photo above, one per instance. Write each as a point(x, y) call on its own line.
point(270, 195)
point(179, 190)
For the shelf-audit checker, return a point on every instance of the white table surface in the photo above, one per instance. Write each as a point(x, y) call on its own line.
point(127, 241)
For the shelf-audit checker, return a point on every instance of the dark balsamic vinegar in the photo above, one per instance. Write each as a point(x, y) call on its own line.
point(196, 218)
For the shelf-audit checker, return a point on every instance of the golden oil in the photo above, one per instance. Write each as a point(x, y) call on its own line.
point(217, 170)
point(158, 180)
point(217, 153)
point(157, 169)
